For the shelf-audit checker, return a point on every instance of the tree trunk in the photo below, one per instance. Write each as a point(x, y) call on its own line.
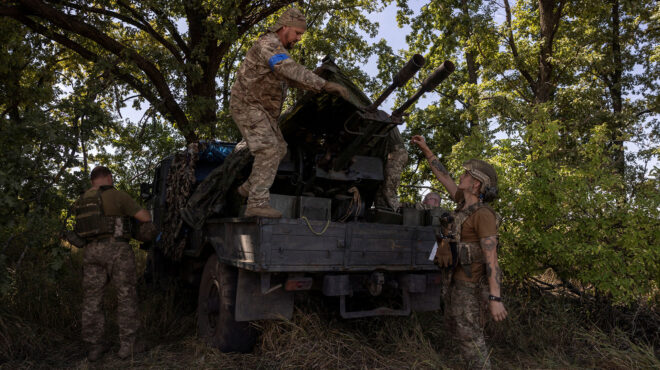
point(549, 15)
point(618, 155)
point(471, 62)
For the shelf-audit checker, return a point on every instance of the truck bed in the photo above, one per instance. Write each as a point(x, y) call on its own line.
point(292, 245)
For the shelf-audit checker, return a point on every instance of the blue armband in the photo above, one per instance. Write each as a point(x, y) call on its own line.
point(276, 59)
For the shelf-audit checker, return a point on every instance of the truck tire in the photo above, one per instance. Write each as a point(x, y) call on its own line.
point(215, 310)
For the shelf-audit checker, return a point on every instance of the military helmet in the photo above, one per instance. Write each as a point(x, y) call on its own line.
point(485, 173)
point(292, 17)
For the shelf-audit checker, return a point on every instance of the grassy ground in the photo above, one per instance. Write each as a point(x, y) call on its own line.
point(40, 326)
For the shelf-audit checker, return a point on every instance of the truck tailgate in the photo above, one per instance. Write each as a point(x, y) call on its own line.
point(288, 245)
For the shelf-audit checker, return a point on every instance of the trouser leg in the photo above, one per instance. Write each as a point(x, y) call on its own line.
point(95, 278)
point(387, 195)
point(267, 145)
point(124, 279)
point(395, 163)
point(466, 315)
point(263, 174)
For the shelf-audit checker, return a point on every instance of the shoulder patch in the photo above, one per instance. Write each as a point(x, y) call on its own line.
point(276, 59)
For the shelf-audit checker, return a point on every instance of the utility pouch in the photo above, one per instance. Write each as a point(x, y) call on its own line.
point(464, 254)
point(74, 239)
point(90, 219)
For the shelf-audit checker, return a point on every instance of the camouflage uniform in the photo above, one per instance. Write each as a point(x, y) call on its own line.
point(106, 261)
point(466, 316)
point(396, 160)
point(256, 102)
point(468, 300)
point(110, 258)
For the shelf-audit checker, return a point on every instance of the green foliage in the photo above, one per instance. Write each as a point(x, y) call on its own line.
point(568, 200)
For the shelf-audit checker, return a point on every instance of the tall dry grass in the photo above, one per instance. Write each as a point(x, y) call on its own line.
point(40, 326)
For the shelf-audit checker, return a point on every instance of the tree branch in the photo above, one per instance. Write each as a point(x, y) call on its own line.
point(514, 48)
point(171, 28)
point(93, 57)
point(74, 25)
point(141, 24)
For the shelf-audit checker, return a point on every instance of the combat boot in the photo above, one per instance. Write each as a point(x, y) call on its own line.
point(243, 190)
point(127, 349)
point(262, 211)
point(96, 351)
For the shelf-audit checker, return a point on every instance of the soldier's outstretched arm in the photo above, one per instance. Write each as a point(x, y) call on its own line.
point(298, 76)
point(438, 169)
point(280, 62)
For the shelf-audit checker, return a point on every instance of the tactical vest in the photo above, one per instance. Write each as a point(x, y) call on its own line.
point(468, 253)
point(92, 223)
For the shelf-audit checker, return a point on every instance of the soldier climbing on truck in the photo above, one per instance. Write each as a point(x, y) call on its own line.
point(330, 237)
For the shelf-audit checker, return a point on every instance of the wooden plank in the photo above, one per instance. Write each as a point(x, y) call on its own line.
point(301, 228)
point(304, 243)
point(381, 245)
point(380, 258)
point(307, 258)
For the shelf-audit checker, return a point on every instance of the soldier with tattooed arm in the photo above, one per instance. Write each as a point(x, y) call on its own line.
point(476, 279)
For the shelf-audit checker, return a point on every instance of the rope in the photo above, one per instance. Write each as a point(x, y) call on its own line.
point(355, 202)
point(312, 230)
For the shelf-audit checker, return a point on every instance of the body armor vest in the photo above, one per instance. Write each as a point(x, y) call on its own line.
point(467, 253)
point(92, 223)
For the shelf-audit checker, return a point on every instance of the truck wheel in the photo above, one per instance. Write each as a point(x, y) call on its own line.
point(215, 310)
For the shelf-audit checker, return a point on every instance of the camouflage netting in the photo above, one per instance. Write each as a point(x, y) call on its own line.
point(210, 197)
point(180, 180)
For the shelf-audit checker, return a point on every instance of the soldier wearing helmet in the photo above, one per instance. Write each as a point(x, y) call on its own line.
point(256, 101)
point(476, 277)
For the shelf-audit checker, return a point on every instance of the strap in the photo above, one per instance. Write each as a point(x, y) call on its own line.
point(462, 215)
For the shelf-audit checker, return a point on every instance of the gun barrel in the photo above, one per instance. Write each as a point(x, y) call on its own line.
point(412, 66)
point(439, 75)
point(430, 83)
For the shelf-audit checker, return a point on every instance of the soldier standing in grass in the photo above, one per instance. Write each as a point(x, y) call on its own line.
point(256, 103)
point(476, 281)
point(103, 218)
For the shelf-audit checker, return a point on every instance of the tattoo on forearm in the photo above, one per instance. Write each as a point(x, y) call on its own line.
point(495, 273)
point(489, 244)
point(438, 166)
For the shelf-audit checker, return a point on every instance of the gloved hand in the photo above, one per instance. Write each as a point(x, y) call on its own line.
point(443, 254)
point(336, 89)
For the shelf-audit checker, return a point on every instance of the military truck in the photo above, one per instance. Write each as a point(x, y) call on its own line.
point(330, 239)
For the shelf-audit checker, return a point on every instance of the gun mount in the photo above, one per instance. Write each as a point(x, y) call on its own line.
point(336, 144)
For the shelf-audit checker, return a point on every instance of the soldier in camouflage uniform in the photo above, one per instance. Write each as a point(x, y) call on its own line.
point(397, 157)
point(109, 258)
point(256, 102)
point(476, 281)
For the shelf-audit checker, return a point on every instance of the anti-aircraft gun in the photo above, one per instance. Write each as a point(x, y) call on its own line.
point(330, 239)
